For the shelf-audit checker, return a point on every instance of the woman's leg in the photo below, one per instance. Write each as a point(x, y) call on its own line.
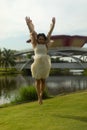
point(37, 84)
point(42, 87)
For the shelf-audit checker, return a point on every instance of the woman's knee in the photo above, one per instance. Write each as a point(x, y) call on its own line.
point(42, 81)
point(37, 82)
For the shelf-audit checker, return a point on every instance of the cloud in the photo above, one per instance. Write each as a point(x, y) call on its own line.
point(71, 17)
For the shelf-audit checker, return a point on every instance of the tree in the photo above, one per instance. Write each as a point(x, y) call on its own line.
point(0, 58)
point(8, 58)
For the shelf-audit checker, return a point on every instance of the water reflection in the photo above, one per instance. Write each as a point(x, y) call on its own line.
point(9, 85)
point(66, 84)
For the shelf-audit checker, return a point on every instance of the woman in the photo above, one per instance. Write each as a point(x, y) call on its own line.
point(42, 63)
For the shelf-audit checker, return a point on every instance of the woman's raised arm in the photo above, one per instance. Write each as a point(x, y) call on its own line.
point(29, 24)
point(51, 27)
point(33, 34)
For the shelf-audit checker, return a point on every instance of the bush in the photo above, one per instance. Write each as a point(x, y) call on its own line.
point(85, 72)
point(27, 94)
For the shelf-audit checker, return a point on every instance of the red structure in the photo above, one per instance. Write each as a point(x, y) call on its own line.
point(68, 41)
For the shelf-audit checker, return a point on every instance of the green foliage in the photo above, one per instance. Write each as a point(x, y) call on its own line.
point(60, 72)
point(7, 58)
point(85, 72)
point(9, 71)
point(28, 94)
point(57, 60)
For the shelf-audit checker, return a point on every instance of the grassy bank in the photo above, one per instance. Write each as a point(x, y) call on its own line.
point(9, 71)
point(67, 112)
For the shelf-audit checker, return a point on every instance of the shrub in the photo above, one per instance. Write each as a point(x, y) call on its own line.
point(27, 94)
point(85, 72)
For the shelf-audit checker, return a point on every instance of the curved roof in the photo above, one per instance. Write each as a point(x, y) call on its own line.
point(68, 41)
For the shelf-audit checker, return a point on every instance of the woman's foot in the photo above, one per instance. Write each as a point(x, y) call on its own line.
point(40, 100)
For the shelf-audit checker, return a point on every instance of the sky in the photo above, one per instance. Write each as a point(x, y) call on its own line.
point(71, 19)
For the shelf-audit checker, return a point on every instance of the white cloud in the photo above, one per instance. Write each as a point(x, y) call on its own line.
point(70, 17)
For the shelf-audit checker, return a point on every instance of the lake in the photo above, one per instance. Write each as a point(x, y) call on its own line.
point(10, 85)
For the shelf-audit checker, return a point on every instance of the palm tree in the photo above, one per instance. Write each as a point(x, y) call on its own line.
point(0, 58)
point(8, 58)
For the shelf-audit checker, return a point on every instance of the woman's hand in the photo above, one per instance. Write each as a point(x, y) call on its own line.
point(53, 20)
point(28, 20)
point(29, 23)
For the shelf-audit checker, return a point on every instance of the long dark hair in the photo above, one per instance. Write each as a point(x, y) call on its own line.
point(41, 35)
point(38, 35)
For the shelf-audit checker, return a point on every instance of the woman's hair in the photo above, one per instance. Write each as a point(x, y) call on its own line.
point(38, 35)
point(41, 35)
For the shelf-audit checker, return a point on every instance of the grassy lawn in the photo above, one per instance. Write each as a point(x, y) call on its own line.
point(67, 112)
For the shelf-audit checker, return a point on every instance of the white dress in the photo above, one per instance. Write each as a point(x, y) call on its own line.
point(41, 66)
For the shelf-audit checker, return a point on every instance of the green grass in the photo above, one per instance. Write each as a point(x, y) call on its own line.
point(64, 112)
point(9, 71)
